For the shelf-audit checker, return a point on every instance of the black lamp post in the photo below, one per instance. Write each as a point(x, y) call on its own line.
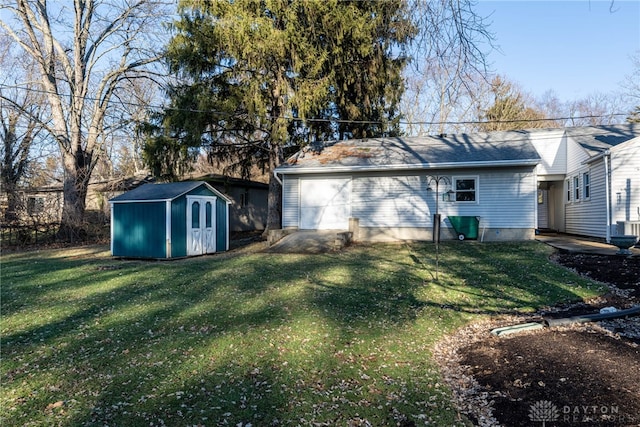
point(436, 216)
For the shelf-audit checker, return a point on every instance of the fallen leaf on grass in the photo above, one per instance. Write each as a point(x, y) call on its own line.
point(57, 404)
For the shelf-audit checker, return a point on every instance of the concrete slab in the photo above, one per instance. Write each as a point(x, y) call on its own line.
point(581, 245)
point(306, 242)
point(321, 241)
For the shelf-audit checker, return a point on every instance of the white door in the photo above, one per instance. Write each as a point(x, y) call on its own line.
point(201, 236)
point(325, 204)
point(543, 209)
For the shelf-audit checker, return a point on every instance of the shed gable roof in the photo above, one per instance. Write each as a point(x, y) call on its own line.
point(472, 150)
point(165, 191)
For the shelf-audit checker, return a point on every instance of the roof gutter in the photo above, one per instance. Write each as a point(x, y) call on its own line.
point(421, 166)
point(597, 157)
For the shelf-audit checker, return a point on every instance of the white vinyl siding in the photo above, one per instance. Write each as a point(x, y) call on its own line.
point(589, 217)
point(552, 149)
point(507, 198)
point(625, 181)
point(576, 156)
point(290, 201)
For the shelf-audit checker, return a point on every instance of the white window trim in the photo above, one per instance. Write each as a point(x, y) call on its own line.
point(476, 178)
point(568, 195)
point(576, 188)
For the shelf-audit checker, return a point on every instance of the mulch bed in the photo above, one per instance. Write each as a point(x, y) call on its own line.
point(583, 374)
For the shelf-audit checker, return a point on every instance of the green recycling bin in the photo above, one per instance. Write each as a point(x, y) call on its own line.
point(466, 227)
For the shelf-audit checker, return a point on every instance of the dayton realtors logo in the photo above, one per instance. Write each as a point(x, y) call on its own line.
point(543, 411)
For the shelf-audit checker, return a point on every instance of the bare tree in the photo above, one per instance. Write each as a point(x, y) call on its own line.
point(449, 66)
point(83, 57)
point(631, 89)
point(595, 110)
point(17, 132)
point(21, 115)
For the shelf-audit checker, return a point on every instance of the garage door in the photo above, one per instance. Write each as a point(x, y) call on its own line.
point(325, 204)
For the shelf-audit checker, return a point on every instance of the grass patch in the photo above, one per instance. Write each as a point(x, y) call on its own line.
point(266, 339)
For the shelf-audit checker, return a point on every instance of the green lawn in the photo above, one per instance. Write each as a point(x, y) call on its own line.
point(260, 339)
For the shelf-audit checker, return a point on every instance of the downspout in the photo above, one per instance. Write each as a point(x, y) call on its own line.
point(607, 159)
point(275, 174)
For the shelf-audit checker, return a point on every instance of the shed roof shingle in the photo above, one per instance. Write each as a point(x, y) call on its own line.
point(166, 191)
point(482, 149)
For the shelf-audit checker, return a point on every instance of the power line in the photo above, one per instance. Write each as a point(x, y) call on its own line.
point(329, 120)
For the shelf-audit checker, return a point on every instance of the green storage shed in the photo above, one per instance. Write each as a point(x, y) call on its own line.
point(172, 220)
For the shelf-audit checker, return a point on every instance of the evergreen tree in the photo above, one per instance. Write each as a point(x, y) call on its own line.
point(255, 70)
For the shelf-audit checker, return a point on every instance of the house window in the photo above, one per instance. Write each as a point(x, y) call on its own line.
point(576, 188)
point(35, 205)
point(568, 184)
point(466, 188)
point(586, 185)
point(244, 198)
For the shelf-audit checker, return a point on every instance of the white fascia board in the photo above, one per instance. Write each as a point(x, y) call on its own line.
point(422, 166)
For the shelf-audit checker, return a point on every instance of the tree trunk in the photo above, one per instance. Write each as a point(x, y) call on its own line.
point(275, 199)
point(76, 182)
point(279, 136)
point(13, 201)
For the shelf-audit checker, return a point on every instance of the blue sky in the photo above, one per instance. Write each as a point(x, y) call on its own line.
point(575, 48)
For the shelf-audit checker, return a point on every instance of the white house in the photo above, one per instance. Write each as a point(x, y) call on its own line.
point(589, 180)
point(392, 187)
point(574, 180)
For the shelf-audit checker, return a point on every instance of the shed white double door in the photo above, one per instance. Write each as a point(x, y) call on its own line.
point(201, 225)
point(325, 204)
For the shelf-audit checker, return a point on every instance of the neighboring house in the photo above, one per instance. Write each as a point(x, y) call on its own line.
point(248, 210)
point(171, 220)
point(589, 180)
point(576, 180)
point(44, 204)
point(386, 187)
point(35, 205)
